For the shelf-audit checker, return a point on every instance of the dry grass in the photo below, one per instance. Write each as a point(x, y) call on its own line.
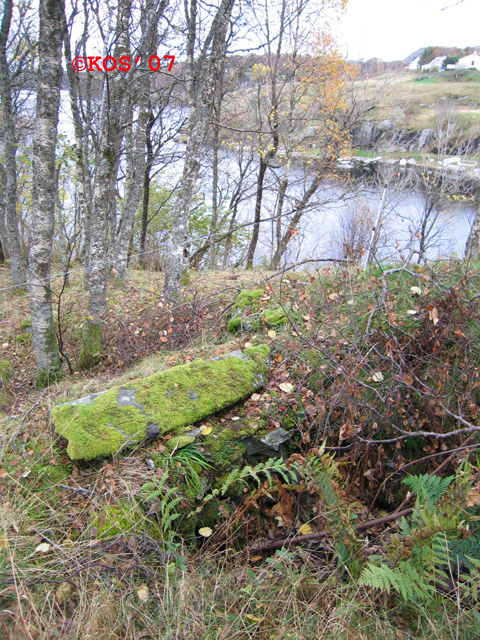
point(416, 104)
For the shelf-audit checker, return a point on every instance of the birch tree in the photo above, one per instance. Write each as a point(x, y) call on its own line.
point(136, 144)
point(113, 119)
point(52, 20)
point(11, 235)
point(472, 250)
point(204, 72)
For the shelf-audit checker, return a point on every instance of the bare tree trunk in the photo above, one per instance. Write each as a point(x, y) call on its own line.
point(233, 206)
point(12, 236)
point(104, 195)
point(3, 231)
point(44, 184)
point(133, 188)
point(81, 178)
point(472, 250)
point(146, 185)
point(278, 231)
point(213, 225)
point(258, 210)
point(204, 80)
point(273, 122)
point(299, 211)
point(177, 257)
point(217, 109)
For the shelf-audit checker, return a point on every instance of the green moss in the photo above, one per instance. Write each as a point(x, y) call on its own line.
point(245, 299)
point(247, 314)
point(227, 455)
point(170, 400)
point(125, 518)
point(91, 351)
point(260, 354)
point(207, 517)
point(6, 371)
point(275, 318)
point(185, 278)
point(100, 432)
point(25, 323)
point(245, 324)
point(179, 442)
point(23, 337)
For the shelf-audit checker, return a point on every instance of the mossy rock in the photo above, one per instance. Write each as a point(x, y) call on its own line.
point(23, 337)
point(166, 402)
point(247, 314)
point(26, 323)
point(246, 299)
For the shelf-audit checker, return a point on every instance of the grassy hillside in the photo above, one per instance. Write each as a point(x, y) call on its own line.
point(417, 101)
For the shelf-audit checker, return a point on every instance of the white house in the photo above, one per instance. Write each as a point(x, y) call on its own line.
point(436, 63)
point(413, 66)
point(469, 62)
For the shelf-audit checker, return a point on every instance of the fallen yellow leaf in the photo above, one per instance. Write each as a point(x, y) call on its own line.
point(305, 529)
point(254, 618)
point(142, 592)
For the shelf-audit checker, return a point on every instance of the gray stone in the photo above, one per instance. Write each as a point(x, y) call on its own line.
point(127, 397)
point(276, 438)
point(271, 442)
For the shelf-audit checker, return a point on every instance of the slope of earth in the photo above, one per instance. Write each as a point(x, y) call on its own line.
point(368, 379)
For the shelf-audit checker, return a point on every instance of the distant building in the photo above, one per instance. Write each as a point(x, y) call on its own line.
point(469, 62)
point(434, 64)
point(413, 65)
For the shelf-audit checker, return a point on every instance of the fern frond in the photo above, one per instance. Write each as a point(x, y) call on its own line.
point(404, 579)
point(428, 488)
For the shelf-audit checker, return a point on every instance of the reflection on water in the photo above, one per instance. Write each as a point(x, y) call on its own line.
point(337, 213)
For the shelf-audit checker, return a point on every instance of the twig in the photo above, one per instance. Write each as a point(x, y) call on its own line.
point(278, 544)
point(80, 490)
point(452, 453)
point(302, 262)
point(28, 411)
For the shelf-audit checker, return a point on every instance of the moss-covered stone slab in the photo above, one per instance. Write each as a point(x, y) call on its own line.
point(104, 423)
point(248, 315)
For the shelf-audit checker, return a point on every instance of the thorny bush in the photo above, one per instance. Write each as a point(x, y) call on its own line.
point(393, 384)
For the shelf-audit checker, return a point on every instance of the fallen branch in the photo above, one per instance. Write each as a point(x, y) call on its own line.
point(286, 542)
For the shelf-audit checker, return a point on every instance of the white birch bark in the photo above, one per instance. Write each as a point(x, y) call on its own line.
point(44, 184)
point(11, 235)
point(472, 250)
point(133, 190)
point(204, 78)
point(103, 214)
